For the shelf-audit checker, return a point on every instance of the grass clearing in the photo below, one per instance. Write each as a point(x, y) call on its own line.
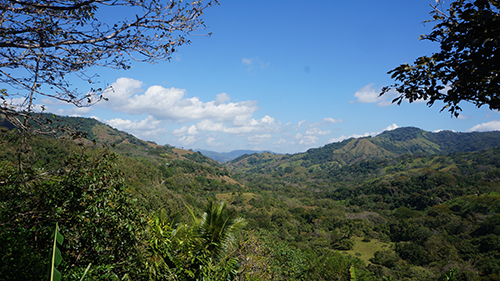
point(365, 250)
point(229, 197)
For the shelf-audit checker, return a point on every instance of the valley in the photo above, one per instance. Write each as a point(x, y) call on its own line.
point(404, 205)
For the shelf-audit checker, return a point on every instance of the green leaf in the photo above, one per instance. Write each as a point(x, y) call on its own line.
point(59, 237)
point(56, 255)
point(56, 275)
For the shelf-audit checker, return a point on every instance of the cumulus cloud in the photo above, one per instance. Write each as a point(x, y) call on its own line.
point(302, 122)
point(367, 134)
point(74, 111)
point(256, 139)
point(172, 104)
point(308, 140)
point(280, 141)
point(121, 91)
point(254, 130)
point(21, 104)
point(222, 98)
point(368, 94)
point(148, 127)
point(391, 127)
point(488, 126)
point(191, 130)
point(146, 124)
point(240, 125)
point(305, 139)
point(187, 140)
point(314, 128)
point(441, 130)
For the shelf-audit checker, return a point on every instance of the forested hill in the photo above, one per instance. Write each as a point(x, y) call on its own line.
point(228, 156)
point(405, 203)
point(388, 145)
point(92, 131)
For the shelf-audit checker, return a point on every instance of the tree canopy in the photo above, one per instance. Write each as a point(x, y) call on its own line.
point(466, 68)
point(43, 42)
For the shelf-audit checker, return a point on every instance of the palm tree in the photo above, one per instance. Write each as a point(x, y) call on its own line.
point(196, 251)
point(217, 227)
point(212, 235)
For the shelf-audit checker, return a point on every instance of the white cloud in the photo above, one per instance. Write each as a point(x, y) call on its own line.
point(254, 62)
point(367, 94)
point(187, 140)
point(343, 137)
point(240, 125)
point(301, 123)
point(314, 128)
point(305, 139)
point(21, 104)
point(390, 128)
point(317, 131)
point(212, 142)
point(146, 128)
point(121, 91)
point(367, 134)
point(222, 98)
point(191, 130)
point(280, 141)
point(171, 103)
point(246, 61)
point(488, 126)
point(74, 111)
point(308, 140)
point(441, 130)
point(256, 139)
point(150, 123)
point(332, 121)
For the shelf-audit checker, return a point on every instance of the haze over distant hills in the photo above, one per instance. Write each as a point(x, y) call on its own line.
point(228, 156)
point(389, 144)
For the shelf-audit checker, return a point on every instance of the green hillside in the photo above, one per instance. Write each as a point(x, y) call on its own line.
point(389, 144)
point(404, 205)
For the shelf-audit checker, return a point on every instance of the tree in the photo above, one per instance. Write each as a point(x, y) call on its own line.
point(45, 42)
point(196, 251)
point(216, 229)
point(87, 198)
point(466, 69)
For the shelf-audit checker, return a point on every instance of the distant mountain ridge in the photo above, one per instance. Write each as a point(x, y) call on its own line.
point(387, 145)
point(223, 157)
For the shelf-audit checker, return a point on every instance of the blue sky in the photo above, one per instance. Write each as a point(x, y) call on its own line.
point(283, 76)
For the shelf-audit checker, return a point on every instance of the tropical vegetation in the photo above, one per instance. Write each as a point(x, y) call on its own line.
point(404, 205)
